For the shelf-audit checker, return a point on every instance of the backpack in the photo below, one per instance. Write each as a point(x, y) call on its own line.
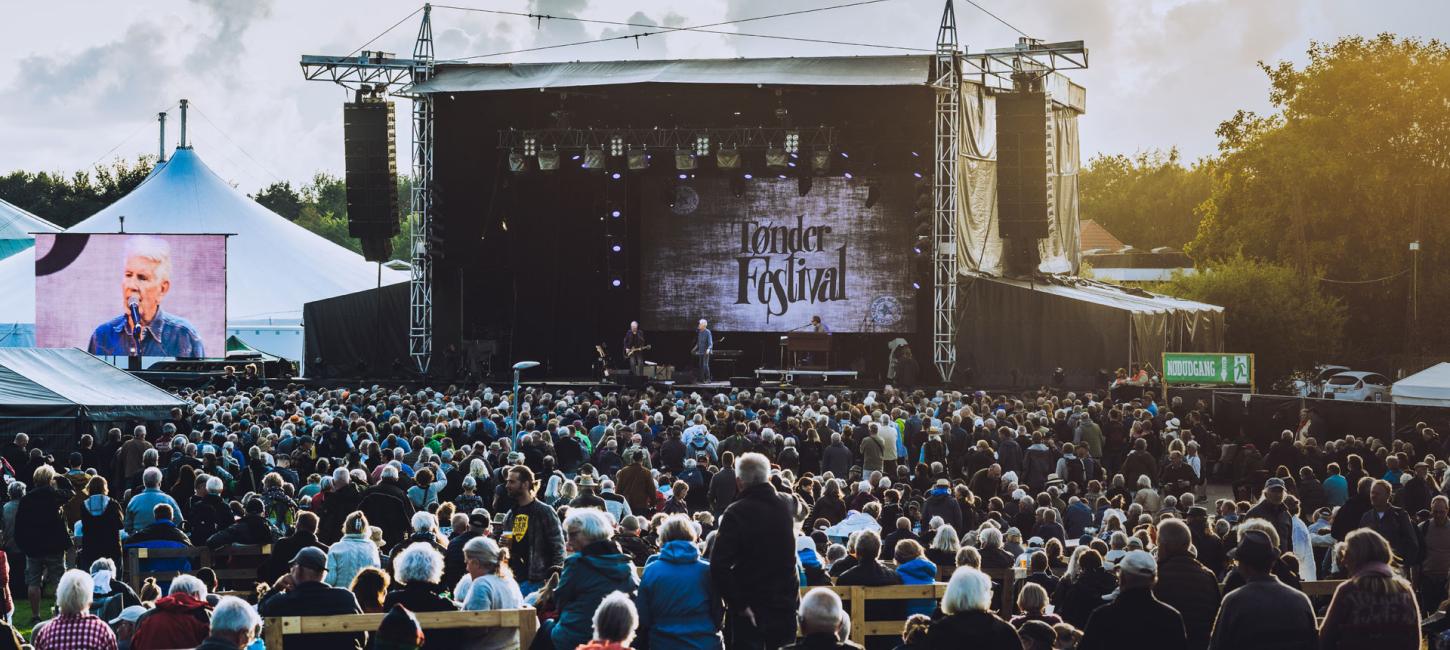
point(1076, 472)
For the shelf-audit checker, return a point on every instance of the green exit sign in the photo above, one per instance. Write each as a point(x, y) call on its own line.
point(1208, 368)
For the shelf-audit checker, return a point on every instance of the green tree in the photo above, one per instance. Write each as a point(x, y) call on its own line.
point(280, 198)
point(1339, 179)
point(1147, 200)
point(1272, 310)
point(68, 200)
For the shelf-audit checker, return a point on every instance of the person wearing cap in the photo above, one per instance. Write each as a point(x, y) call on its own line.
point(1264, 612)
point(302, 592)
point(1136, 618)
point(1271, 509)
point(124, 626)
point(940, 502)
point(1185, 584)
point(587, 498)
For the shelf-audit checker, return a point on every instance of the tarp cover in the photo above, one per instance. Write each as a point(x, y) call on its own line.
point(50, 377)
point(909, 70)
point(1016, 332)
point(1429, 387)
point(366, 328)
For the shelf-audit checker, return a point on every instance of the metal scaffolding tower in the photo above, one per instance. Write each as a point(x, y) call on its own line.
point(380, 71)
point(946, 75)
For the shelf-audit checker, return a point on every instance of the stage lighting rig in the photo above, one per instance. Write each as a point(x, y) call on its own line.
point(702, 145)
point(616, 145)
point(684, 160)
point(821, 161)
point(531, 146)
point(517, 162)
point(638, 159)
point(549, 160)
point(727, 158)
point(792, 142)
point(593, 159)
point(776, 159)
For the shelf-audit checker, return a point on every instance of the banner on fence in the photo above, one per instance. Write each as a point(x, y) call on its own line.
point(1208, 368)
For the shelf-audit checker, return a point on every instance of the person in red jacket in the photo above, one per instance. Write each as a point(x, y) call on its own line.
point(180, 620)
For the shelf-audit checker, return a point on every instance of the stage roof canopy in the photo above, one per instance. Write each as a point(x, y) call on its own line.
point(68, 381)
point(909, 70)
point(18, 228)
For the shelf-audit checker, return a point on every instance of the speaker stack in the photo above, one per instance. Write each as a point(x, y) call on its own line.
point(1025, 201)
point(370, 155)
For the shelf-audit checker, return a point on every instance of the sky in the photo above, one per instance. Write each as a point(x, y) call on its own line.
point(85, 79)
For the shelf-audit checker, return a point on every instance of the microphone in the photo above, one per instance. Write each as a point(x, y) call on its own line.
point(136, 316)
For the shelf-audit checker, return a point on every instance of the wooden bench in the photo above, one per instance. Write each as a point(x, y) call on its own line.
point(1316, 588)
point(525, 620)
point(854, 599)
point(242, 577)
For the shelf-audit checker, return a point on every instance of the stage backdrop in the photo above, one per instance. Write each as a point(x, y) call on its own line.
point(771, 259)
point(84, 284)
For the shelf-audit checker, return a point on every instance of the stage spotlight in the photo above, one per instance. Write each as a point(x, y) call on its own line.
point(775, 158)
point(684, 160)
point(821, 161)
point(803, 184)
point(914, 284)
point(531, 146)
point(549, 160)
point(517, 162)
point(615, 213)
point(916, 174)
point(593, 159)
point(615, 282)
point(873, 193)
point(616, 145)
point(616, 248)
point(749, 176)
point(702, 145)
point(616, 176)
point(792, 141)
point(848, 175)
point(638, 159)
point(727, 158)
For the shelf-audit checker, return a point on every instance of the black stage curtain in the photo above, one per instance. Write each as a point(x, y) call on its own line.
point(358, 334)
point(1353, 418)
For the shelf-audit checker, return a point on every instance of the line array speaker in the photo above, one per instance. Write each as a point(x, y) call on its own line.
point(370, 156)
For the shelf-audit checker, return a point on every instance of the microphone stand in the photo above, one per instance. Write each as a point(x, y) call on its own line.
point(133, 361)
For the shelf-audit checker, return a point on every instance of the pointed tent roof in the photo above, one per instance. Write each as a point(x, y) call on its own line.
point(1096, 237)
point(17, 228)
point(273, 265)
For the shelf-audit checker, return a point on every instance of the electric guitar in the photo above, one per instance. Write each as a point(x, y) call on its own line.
point(631, 351)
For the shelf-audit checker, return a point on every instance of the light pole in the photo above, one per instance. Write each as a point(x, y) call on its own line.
point(518, 367)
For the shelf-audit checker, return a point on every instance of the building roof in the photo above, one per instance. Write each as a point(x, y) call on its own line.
point(273, 265)
point(1095, 237)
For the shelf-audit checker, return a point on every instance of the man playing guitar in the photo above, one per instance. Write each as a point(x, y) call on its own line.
point(634, 347)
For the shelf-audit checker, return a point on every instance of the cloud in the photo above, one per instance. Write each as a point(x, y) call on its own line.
point(130, 75)
point(224, 47)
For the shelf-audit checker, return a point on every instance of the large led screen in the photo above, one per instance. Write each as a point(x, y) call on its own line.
point(760, 257)
point(112, 294)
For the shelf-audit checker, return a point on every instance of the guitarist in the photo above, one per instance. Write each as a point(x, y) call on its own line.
point(634, 347)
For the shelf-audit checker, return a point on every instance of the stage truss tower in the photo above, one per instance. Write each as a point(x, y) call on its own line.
point(946, 80)
point(381, 71)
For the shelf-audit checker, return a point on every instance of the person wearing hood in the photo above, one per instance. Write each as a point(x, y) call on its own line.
point(251, 529)
point(594, 570)
point(941, 503)
point(969, 621)
point(100, 525)
point(914, 569)
point(181, 619)
point(677, 604)
point(812, 568)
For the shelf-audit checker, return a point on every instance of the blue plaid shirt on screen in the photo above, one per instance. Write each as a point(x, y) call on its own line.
point(75, 632)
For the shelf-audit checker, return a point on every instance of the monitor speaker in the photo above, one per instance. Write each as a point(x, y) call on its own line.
point(369, 153)
point(1025, 203)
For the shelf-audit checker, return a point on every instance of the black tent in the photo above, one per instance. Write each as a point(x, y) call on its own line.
point(55, 394)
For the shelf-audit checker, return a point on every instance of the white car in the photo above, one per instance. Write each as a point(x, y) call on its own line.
point(1359, 386)
point(1311, 384)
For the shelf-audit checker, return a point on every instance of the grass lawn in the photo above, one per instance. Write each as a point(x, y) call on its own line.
point(21, 619)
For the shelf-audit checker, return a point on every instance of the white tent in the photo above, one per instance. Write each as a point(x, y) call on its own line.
point(18, 228)
point(273, 265)
point(1429, 387)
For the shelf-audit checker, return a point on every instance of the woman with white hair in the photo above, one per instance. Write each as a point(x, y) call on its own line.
point(969, 621)
point(351, 553)
point(418, 569)
point(488, 585)
point(74, 628)
point(180, 620)
point(596, 568)
point(677, 602)
point(615, 622)
point(234, 625)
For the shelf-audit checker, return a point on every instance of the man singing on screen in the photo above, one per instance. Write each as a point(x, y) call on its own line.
point(145, 281)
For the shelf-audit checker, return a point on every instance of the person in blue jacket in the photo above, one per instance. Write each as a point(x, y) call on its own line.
point(677, 604)
point(162, 533)
point(915, 569)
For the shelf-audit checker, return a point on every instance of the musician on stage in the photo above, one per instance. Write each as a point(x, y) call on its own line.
point(818, 326)
point(634, 347)
point(704, 346)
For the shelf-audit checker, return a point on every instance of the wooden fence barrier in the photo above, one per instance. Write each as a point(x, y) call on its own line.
point(200, 556)
point(526, 621)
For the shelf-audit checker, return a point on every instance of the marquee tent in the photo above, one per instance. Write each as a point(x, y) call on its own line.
point(18, 228)
point(273, 265)
point(55, 393)
point(1429, 387)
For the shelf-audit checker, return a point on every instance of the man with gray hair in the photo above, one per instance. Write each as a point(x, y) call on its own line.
point(754, 562)
point(143, 329)
point(234, 625)
point(140, 508)
point(822, 619)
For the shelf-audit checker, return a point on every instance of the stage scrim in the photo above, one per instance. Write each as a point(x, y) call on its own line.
point(771, 259)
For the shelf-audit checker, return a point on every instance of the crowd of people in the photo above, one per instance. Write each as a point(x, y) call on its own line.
point(666, 519)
